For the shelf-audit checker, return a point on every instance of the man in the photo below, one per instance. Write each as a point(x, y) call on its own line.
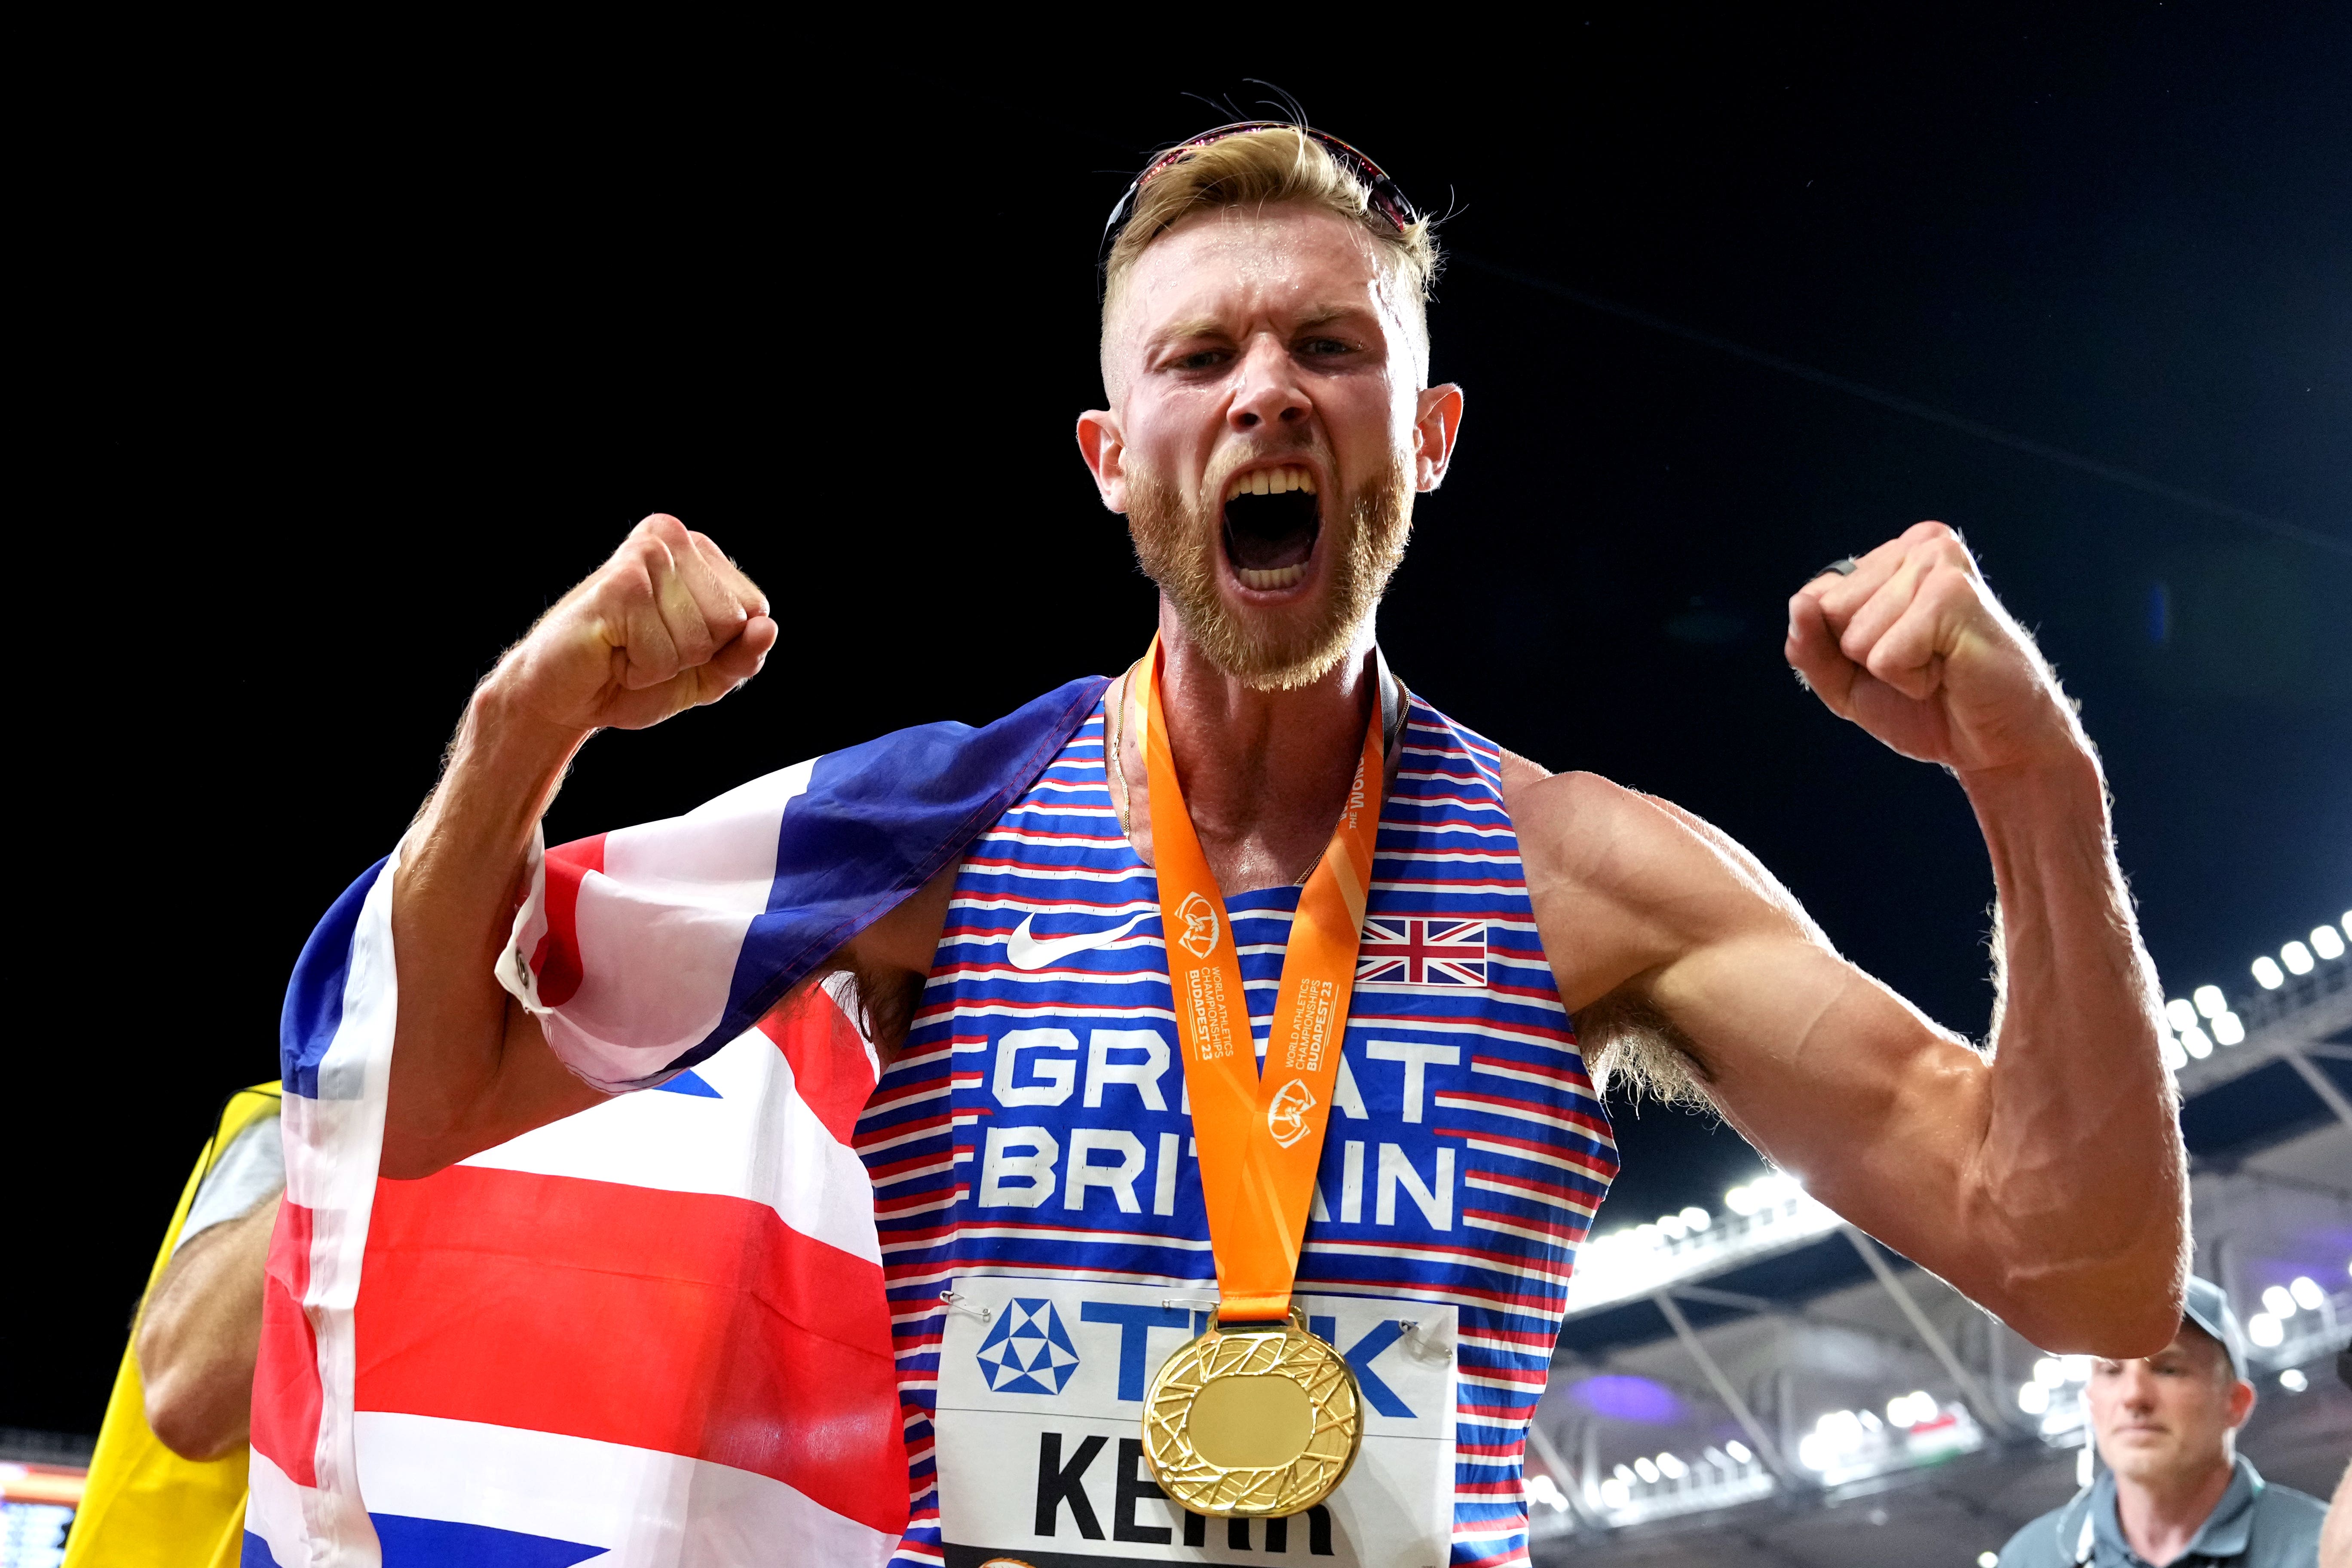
point(167, 1482)
point(1156, 869)
point(2175, 1488)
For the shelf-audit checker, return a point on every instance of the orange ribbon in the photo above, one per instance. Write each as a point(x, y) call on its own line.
point(1259, 1134)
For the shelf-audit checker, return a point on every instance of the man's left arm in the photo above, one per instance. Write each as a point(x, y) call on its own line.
point(2048, 1182)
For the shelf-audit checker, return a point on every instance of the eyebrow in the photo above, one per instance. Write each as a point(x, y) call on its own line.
point(1211, 327)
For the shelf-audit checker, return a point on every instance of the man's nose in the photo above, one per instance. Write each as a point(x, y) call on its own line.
point(1269, 393)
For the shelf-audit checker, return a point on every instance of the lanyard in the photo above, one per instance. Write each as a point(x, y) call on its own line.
point(1259, 1136)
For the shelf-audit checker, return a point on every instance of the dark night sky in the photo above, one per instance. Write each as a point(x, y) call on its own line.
point(355, 382)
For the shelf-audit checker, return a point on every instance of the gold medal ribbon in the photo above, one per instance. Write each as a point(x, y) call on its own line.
point(1259, 1134)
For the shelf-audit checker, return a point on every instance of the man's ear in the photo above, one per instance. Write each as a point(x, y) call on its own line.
point(1436, 421)
point(2241, 1402)
point(1106, 452)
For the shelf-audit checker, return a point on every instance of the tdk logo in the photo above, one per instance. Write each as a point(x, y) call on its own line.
point(1028, 1351)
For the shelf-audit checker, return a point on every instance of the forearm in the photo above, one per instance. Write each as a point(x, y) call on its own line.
point(2082, 1178)
point(452, 906)
point(200, 1334)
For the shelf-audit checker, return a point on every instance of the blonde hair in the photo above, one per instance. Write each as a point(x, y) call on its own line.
point(1262, 168)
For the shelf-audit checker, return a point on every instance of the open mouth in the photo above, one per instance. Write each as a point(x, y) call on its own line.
point(1272, 520)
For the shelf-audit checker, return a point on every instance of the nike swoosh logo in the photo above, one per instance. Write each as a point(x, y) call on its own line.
point(1023, 950)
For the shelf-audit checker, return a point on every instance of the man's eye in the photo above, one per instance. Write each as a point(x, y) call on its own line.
point(1323, 346)
point(1200, 358)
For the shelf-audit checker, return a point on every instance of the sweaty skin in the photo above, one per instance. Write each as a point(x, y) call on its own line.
point(2044, 1179)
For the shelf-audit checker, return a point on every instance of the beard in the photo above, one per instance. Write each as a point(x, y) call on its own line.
point(1279, 649)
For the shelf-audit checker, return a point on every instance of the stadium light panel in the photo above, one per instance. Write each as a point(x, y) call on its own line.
point(2050, 1372)
point(2297, 958)
point(2181, 1014)
point(2229, 1029)
point(2209, 1001)
point(2266, 1331)
point(2326, 943)
point(1671, 1467)
point(2267, 973)
point(2034, 1399)
point(2277, 1302)
point(1696, 1217)
point(2293, 1380)
point(1988, 1560)
point(1647, 1469)
point(2306, 1292)
point(1739, 1452)
point(1740, 1201)
point(2175, 1059)
point(2196, 1042)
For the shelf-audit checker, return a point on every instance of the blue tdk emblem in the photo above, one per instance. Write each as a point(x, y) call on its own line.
point(1028, 1351)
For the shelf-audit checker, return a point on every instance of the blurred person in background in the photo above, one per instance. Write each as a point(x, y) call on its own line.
point(167, 1483)
point(2173, 1486)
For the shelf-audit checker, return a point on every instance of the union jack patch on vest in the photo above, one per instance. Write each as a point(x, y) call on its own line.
point(1422, 953)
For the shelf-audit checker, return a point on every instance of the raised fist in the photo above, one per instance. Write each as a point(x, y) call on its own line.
point(1913, 646)
point(668, 623)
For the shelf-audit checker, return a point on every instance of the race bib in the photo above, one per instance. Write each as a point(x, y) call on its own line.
point(1039, 1432)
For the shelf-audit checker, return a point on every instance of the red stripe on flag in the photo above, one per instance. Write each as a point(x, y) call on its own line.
point(556, 960)
point(682, 1322)
point(830, 1066)
point(286, 1389)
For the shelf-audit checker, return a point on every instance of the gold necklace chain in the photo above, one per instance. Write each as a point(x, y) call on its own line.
point(1113, 724)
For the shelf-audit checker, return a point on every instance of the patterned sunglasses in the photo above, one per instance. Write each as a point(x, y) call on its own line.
point(1386, 199)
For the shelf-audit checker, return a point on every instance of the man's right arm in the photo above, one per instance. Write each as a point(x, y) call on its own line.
point(668, 624)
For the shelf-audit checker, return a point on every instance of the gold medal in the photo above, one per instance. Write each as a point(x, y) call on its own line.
point(1258, 1417)
point(1254, 1422)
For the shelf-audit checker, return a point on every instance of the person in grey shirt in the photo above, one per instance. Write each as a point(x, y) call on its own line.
point(2174, 1489)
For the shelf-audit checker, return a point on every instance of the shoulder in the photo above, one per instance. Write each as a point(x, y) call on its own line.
point(2285, 1520)
point(2039, 1543)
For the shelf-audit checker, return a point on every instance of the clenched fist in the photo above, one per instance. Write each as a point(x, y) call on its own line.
point(1913, 646)
point(668, 623)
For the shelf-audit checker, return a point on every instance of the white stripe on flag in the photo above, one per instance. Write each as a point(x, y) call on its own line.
point(650, 1509)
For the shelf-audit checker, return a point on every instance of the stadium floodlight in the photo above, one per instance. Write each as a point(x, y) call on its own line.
point(1615, 1493)
point(2196, 1042)
point(1542, 1488)
point(2034, 1399)
point(1988, 1560)
point(2293, 1380)
point(1697, 1218)
point(1739, 1452)
point(2306, 1292)
point(2210, 1003)
point(1672, 1227)
point(1740, 1201)
point(2175, 1059)
point(2050, 1372)
point(2267, 973)
point(2229, 1029)
point(2078, 1368)
point(2181, 1014)
point(2277, 1302)
point(1715, 1457)
point(1624, 1474)
point(1647, 1469)
point(1671, 1466)
point(2297, 958)
point(2326, 943)
point(2266, 1331)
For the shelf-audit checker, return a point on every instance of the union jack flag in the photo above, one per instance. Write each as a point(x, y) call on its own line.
point(1422, 953)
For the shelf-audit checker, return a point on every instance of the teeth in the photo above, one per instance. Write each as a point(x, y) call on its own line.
point(1280, 577)
point(1270, 482)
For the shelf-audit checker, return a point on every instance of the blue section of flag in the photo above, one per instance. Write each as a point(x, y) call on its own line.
point(410, 1542)
point(314, 996)
point(255, 1553)
point(689, 1083)
point(877, 822)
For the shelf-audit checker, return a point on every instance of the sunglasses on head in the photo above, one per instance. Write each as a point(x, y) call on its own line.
point(1386, 199)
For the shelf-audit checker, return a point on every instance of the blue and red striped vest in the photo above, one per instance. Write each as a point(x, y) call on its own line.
point(1034, 1139)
